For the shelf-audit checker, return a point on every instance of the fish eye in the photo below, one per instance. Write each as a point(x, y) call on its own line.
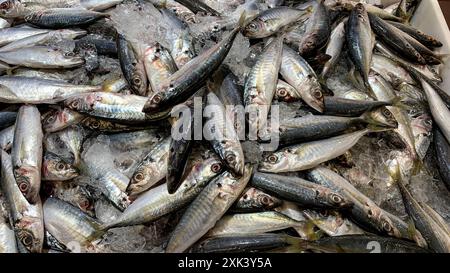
point(138, 177)
point(26, 238)
point(272, 159)
point(252, 26)
point(282, 92)
point(69, 54)
point(336, 199)
point(216, 167)
point(387, 113)
point(84, 203)
point(50, 119)
point(137, 81)
point(60, 166)
point(230, 158)
point(186, 52)
point(24, 186)
point(156, 99)
point(265, 200)
point(95, 124)
point(317, 94)
point(387, 226)
point(75, 104)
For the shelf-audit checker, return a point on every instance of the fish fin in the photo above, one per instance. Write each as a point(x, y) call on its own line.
point(10, 70)
point(242, 20)
point(372, 128)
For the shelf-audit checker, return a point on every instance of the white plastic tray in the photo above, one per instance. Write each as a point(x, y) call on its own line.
point(430, 19)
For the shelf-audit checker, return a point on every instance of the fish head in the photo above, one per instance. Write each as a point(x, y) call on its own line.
point(30, 232)
point(285, 93)
point(139, 79)
point(255, 29)
point(141, 179)
point(67, 58)
point(383, 117)
point(98, 124)
point(387, 226)
point(315, 99)
point(54, 119)
point(82, 102)
point(263, 200)
point(234, 159)
point(28, 180)
point(276, 162)
point(11, 8)
point(335, 198)
point(54, 168)
point(154, 104)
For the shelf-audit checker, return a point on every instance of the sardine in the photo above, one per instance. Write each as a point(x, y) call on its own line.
point(300, 191)
point(26, 152)
point(56, 18)
point(253, 200)
point(317, 31)
point(27, 218)
point(209, 206)
point(297, 72)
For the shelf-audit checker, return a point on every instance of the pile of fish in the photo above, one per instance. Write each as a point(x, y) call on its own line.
point(93, 94)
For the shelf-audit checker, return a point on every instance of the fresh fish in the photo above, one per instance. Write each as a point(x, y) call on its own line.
point(186, 81)
point(300, 191)
point(271, 21)
point(252, 223)
point(151, 170)
point(69, 225)
point(253, 200)
point(223, 136)
point(439, 110)
point(390, 70)
point(297, 72)
point(66, 144)
point(261, 84)
point(433, 227)
point(41, 57)
point(15, 9)
point(26, 152)
point(135, 140)
point(55, 169)
point(157, 202)
point(59, 119)
point(179, 150)
point(334, 48)
point(245, 243)
point(286, 92)
point(423, 38)
point(10, 35)
point(365, 212)
point(317, 31)
point(180, 39)
point(209, 206)
point(367, 244)
point(56, 18)
point(384, 92)
point(427, 71)
point(392, 37)
point(116, 107)
point(27, 218)
point(443, 154)
point(309, 128)
point(350, 108)
point(360, 40)
point(332, 223)
point(132, 71)
point(309, 155)
point(44, 38)
point(159, 66)
point(17, 89)
point(103, 46)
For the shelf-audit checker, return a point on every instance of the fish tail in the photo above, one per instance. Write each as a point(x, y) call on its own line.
point(242, 20)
